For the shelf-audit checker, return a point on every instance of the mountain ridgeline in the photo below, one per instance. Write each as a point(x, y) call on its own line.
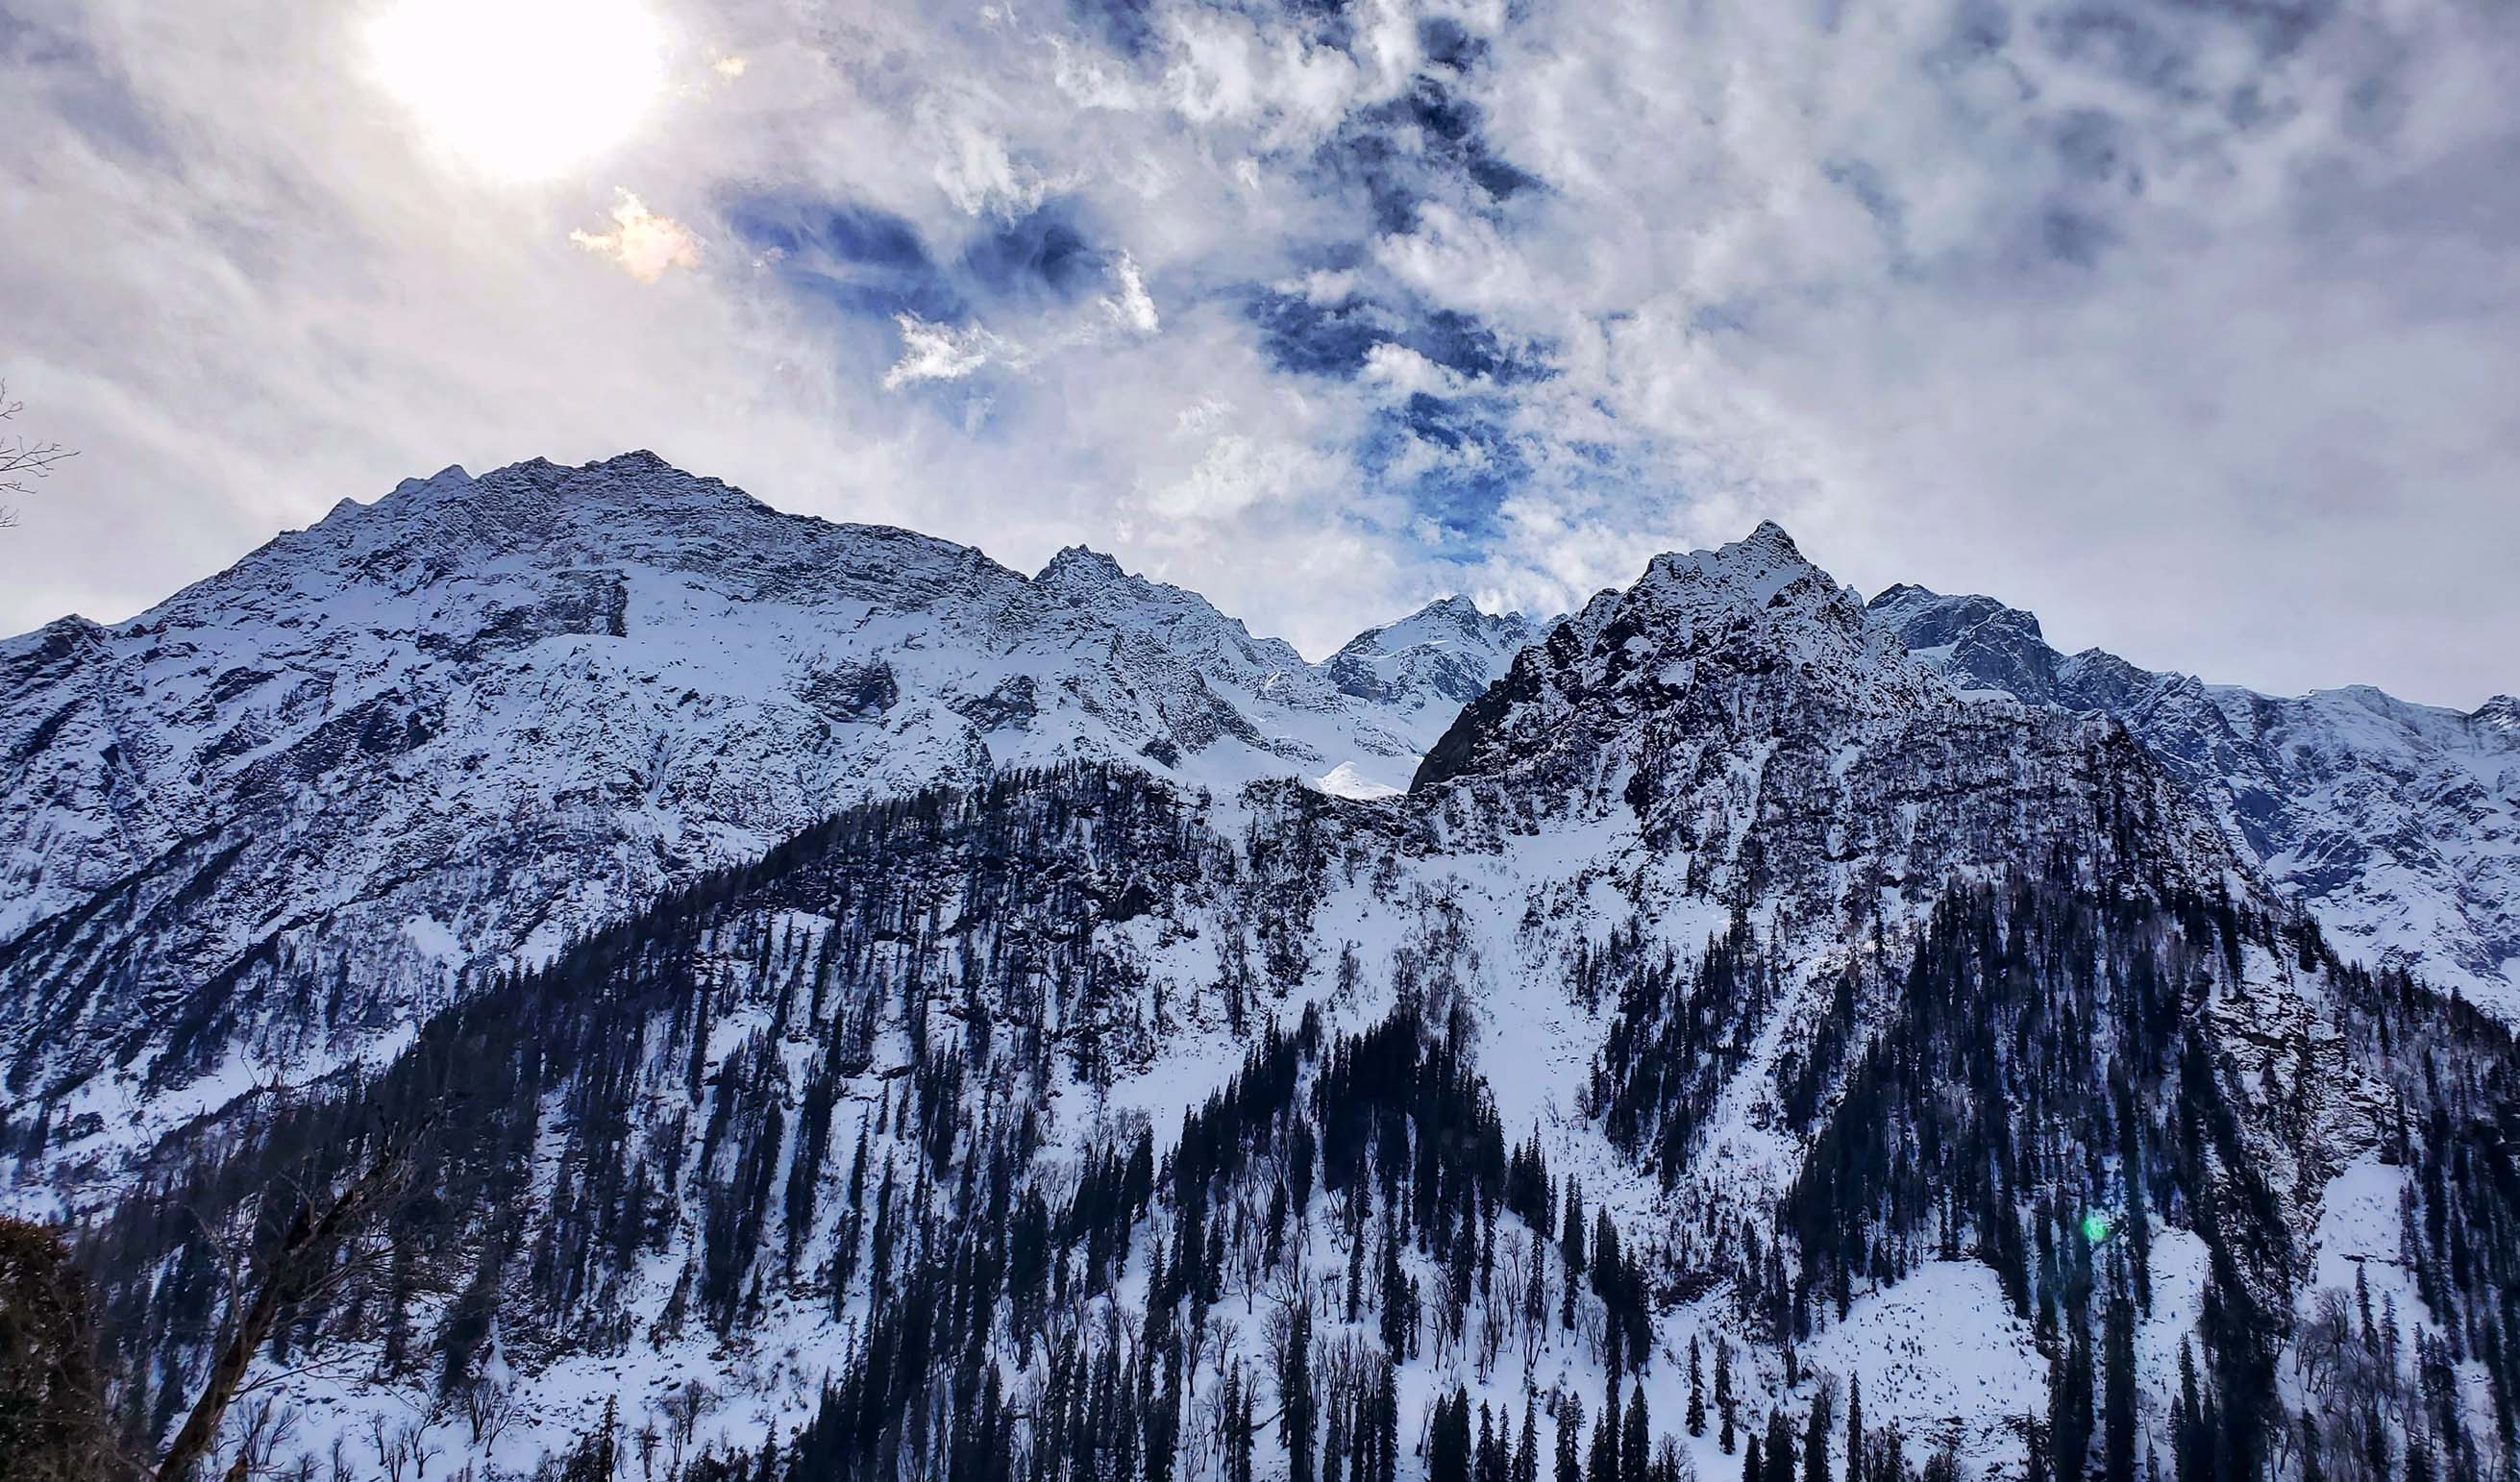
point(1756, 1041)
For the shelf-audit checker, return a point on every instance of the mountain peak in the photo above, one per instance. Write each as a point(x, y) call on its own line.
point(1080, 566)
point(1751, 613)
point(1921, 613)
point(452, 477)
point(1448, 652)
point(1769, 535)
point(1756, 568)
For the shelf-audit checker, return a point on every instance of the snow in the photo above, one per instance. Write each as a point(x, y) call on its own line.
point(2398, 824)
point(1942, 1356)
point(742, 699)
point(427, 693)
point(1345, 780)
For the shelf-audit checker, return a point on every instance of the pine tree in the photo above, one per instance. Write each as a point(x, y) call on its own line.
point(1781, 1448)
point(1570, 1249)
point(1855, 1429)
point(1696, 1391)
point(1387, 1407)
point(2069, 1402)
point(1295, 1394)
point(1636, 1439)
point(1816, 1445)
point(1448, 1446)
point(2117, 1405)
point(1725, 1400)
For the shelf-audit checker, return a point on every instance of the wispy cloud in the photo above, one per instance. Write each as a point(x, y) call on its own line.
point(944, 352)
point(2158, 314)
point(641, 241)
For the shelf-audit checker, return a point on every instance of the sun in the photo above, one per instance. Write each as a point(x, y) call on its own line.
point(520, 89)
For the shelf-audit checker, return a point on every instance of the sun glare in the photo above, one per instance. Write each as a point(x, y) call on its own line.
point(522, 89)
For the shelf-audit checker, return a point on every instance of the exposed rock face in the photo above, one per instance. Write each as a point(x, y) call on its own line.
point(2397, 824)
point(1764, 733)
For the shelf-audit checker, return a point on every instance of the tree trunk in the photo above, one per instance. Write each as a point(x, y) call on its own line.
point(310, 1236)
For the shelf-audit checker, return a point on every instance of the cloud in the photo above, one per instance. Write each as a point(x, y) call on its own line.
point(2181, 319)
point(642, 243)
point(944, 352)
point(1132, 308)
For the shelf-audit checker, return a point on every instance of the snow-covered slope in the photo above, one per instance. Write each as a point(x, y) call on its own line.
point(1433, 661)
point(2397, 824)
point(1829, 998)
point(457, 727)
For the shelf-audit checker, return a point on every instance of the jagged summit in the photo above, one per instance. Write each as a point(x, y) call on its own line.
point(1753, 609)
point(1079, 565)
point(1737, 712)
point(1980, 642)
point(1445, 654)
point(1901, 601)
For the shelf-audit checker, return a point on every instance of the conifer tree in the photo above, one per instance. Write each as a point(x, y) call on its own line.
point(1816, 1444)
point(1781, 1448)
point(2117, 1407)
point(1295, 1394)
point(1696, 1391)
point(1855, 1429)
point(1636, 1439)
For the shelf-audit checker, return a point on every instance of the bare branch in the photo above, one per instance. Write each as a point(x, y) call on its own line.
point(291, 1273)
point(21, 460)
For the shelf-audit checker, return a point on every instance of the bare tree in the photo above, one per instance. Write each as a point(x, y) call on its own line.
point(298, 1269)
point(262, 1426)
point(20, 460)
point(488, 1408)
point(683, 1409)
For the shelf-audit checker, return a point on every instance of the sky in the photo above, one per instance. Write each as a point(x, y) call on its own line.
point(2192, 324)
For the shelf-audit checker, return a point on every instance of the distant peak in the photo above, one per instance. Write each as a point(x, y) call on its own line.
point(451, 476)
point(1080, 563)
point(2502, 712)
point(1456, 610)
point(1769, 536)
point(1925, 618)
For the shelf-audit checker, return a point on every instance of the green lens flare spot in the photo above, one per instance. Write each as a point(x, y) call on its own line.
point(2095, 1227)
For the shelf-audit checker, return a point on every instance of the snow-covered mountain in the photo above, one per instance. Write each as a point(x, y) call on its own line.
point(457, 727)
point(1737, 705)
point(1740, 1037)
point(2397, 824)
